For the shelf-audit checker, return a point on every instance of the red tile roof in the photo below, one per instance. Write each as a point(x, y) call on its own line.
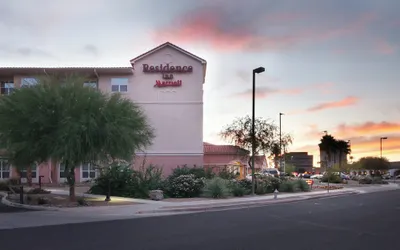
point(223, 149)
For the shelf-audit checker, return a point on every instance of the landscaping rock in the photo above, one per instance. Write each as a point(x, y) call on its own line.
point(156, 195)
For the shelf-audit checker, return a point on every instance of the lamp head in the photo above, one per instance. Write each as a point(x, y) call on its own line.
point(259, 70)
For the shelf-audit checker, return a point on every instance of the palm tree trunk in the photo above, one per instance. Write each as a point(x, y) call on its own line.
point(71, 180)
point(29, 176)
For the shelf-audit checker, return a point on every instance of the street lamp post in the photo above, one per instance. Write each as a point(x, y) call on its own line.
point(253, 124)
point(381, 140)
point(280, 142)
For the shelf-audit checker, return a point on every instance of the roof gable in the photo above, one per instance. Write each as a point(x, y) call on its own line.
point(167, 44)
point(173, 46)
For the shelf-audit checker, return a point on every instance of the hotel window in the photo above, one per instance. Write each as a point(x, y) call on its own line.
point(119, 84)
point(4, 169)
point(24, 172)
point(7, 87)
point(28, 82)
point(90, 84)
point(88, 171)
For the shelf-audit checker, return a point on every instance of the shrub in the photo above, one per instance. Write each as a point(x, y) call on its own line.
point(240, 187)
point(126, 182)
point(267, 184)
point(238, 191)
point(246, 184)
point(378, 180)
point(226, 174)
point(183, 186)
point(118, 177)
point(216, 188)
point(38, 191)
point(198, 172)
point(365, 180)
point(302, 185)
point(14, 181)
point(288, 186)
point(146, 179)
point(4, 186)
point(82, 201)
point(333, 178)
point(42, 201)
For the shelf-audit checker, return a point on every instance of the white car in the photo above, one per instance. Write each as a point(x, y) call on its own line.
point(316, 176)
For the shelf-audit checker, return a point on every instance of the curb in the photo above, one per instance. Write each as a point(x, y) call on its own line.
point(243, 205)
point(6, 202)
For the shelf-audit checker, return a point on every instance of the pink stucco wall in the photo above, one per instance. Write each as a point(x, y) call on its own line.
point(176, 113)
point(168, 163)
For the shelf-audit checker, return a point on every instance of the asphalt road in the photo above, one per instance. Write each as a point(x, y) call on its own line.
point(368, 221)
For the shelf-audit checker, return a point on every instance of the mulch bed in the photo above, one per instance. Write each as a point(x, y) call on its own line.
point(52, 200)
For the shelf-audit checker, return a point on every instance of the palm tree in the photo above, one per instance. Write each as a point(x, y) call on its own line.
point(328, 145)
point(343, 148)
point(60, 119)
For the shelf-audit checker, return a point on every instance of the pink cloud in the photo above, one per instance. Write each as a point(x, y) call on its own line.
point(214, 26)
point(264, 92)
point(384, 47)
point(348, 101)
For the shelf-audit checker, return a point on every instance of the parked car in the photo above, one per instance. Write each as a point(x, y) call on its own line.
point(344, 176)
point(271, 171)
point(316, 176)
point(250, 177)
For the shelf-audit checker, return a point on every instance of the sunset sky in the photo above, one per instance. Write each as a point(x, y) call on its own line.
point(330, 64)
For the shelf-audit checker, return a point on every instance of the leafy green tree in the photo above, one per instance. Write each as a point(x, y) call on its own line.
point(240, 133)
point(60, 119)
point(373, 163)
point(289, 168)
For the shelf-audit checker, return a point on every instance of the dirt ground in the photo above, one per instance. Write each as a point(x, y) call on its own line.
point(64, 201)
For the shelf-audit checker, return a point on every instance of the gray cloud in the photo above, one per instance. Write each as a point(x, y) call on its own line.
point(24, 52)
point(91, 49)
point(271, 25)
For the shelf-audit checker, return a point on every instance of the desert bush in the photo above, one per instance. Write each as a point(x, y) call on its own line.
point(372, 180)
point(42, 201)
point(288, 186)
point(183, 186)
point(38, 191)
point(378, 180)
point(267, 184)
point(245, 183)
point(198, 172)
point(126, 182)
point(240, 187)
point(365, 180)
point(4, 186)
point(333, 178)
point(216, 187)
point(82, 201)
point(238, 191)
point(302, 185)
point(146, 179)
point(226, 174)
point(117, 178)
point(14, 181)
